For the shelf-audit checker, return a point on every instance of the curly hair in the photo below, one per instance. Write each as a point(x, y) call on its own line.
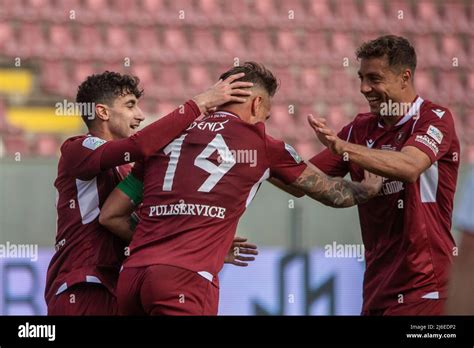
point(104, 88)
point(256, 73)
point(399, 51)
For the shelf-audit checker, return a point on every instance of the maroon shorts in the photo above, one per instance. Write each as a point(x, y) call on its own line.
point(165, 290)
point(84, 299)
point(422, 307)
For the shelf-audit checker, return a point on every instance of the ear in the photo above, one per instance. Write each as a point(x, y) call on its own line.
point(406, 78)
point(255, 106)
point(102, 112)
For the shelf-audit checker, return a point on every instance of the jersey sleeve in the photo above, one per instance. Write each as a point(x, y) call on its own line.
point(82, 157)
point(331, 164)
point(86, 157)
point(285, 163)
point(132, 185)
point(433, 134)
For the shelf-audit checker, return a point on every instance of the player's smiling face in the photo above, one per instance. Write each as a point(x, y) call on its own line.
point(379, 83)
point(125, 116)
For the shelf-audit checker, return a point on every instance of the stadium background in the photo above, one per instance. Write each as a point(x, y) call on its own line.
point(180, 47)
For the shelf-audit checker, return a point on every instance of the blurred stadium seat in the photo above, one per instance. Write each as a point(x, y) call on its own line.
point(304, 42)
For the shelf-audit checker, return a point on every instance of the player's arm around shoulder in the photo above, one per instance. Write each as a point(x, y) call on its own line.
point(115, 214)
point(337, 192)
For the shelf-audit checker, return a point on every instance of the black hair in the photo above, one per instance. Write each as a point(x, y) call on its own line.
point(398, 50)
point(256, 73)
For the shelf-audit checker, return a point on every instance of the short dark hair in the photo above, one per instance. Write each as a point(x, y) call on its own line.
point(104, 88)
point(400, 53)
point(256, 73)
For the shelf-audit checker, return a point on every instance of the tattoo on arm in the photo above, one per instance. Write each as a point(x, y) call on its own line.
point(334, 192)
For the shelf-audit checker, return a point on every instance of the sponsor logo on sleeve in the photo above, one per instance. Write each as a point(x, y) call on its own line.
point(427, 141)
point(293, 153)
point(93, 142)
point(435, 133)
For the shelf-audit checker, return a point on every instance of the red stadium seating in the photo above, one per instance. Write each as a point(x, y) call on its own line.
point(288, 46)
point(170, 82)
point(197, 76)
point(7, 39)
point(316, 48)
point(200, 38)
point(152, 11)
point(31, 41)
point(428, 16)
point(16, 144)
point(452, 47)
point(428, 51)
point(117, 41)
point(60, 41)
point(260, 45)
point(321, 14)
point(146, 44)
point(175, 44)
point(400, 14)
point(236, 12)
point(96, 11)
point(231, 42)
point(87, 51)
point(456, 16)
point(81, 71)
point(374, 16)
point(347, 16)
point(46, 145)
point(176, 58)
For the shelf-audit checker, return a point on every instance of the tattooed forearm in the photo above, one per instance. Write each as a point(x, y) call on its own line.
point(334, 192)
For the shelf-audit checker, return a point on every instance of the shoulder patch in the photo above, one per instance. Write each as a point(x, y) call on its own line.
point(439, 112)
point(435, 133)
point(293, 153)
point(93, 142)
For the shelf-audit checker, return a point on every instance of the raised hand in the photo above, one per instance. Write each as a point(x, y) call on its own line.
point(325, 134)
point(224, 91)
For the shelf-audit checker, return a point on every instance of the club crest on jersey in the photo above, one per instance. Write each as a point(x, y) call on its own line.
point(399, 137)
point(293, 153)
point(435, 133)
point(93, 142)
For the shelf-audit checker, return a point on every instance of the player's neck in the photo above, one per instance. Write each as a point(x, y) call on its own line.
point(232, 110)
point(104, 134)
point(407, 99)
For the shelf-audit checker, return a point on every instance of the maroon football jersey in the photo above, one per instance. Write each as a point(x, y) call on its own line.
point(406, 228)
point(85, 251)
point(197, 188)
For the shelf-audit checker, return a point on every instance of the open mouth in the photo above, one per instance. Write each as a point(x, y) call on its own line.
point(374, 100)
point(134, 126)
